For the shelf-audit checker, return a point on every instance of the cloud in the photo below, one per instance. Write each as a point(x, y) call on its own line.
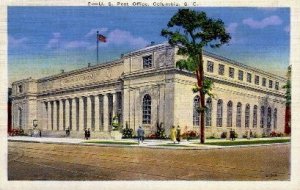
point(268, 21)
point(121, 37)
point(231, 28)
point(76, 44)
point(93, 32)
point(17, 43)
point(115, 37)
point(55, 41)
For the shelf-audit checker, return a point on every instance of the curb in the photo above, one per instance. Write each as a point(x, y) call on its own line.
point(200, 147)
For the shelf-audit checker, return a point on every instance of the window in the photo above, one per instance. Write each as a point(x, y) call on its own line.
point(247, 115)
point(238, 114)
point(255, 116)
point(249, 77)
point(264, 81)
point(147, 61)
point(269, 117)
point(256, 79)
point(270, 84)
point(196, 116)
point(221, 69)
point(219, 113)
point(277, 85)
point(231, 72)
point(275, 118)
point(229, 114)
point(208, 112)
point(262, 116)
point(147, 109)
point(210, 66)
point(20, 89)
point(241, 75)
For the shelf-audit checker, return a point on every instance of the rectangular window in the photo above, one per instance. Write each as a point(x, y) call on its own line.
point(231, 72)
point(210, 66)
point(147, 61)
point(241, 75)
point(256, 79)
point(277, 85)
point(264, 81)
point(249, 77)
point(270, 84)
point(221, 69)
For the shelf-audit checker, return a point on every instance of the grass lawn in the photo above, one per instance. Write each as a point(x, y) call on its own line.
point(112, 142)
point(172, 144)
point(247, 142)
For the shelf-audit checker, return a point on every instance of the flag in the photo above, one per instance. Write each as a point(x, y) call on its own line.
point(101, 38)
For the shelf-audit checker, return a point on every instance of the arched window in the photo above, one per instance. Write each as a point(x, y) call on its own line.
point(247, 115)
point(147, 109)
point(255, 116)
point(219, 113)
point(275, 118)
point(262, 116)
point(239, 115)
point(229, 114)
point(269, 117)
point(208, 112)
point(20, 114)
point(196, 114)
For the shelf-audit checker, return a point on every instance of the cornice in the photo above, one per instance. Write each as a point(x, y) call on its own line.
point(79, 88)
point(231, 83)
point(148, 49)
point(82, 70)
point(236, 63)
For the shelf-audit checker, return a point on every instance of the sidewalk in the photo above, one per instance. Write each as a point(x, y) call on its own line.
point(148, 143)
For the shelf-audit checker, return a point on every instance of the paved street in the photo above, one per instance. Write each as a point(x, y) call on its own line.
point(41, 161)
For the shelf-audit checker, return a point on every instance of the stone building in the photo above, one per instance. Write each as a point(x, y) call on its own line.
point(144, 87)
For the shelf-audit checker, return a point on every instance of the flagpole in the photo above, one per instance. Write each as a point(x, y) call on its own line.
point(97, 47)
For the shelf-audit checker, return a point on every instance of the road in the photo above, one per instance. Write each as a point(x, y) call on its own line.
point(39, 161)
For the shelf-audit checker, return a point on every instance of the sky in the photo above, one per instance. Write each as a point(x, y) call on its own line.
point(44, 40)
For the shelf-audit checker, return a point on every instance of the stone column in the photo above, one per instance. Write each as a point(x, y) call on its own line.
point(105, 112)
point(97, 114)
point(74, 116)
point(49, 119)
point(89, 112)
point(67, 113)
point(81, 114)
point(44, 115)
point(61, 115)
point(55, 115)
point(114, 106)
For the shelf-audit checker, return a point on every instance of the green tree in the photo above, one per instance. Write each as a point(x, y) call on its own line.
point(191, 31)
point(287, 87)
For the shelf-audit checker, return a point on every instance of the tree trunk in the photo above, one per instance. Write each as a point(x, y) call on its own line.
point(200, 80)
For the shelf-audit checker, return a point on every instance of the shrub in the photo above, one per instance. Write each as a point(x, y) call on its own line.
point(160, 133)
point(274, 134)
point(152, 136)
point(115, 123)
point(263, 135)
point(191, 134)
point(255, 135)
point(127, 132)
point(223, 135)
point(16, 132)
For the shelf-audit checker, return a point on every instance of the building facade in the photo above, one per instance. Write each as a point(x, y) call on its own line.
point(145, 88)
